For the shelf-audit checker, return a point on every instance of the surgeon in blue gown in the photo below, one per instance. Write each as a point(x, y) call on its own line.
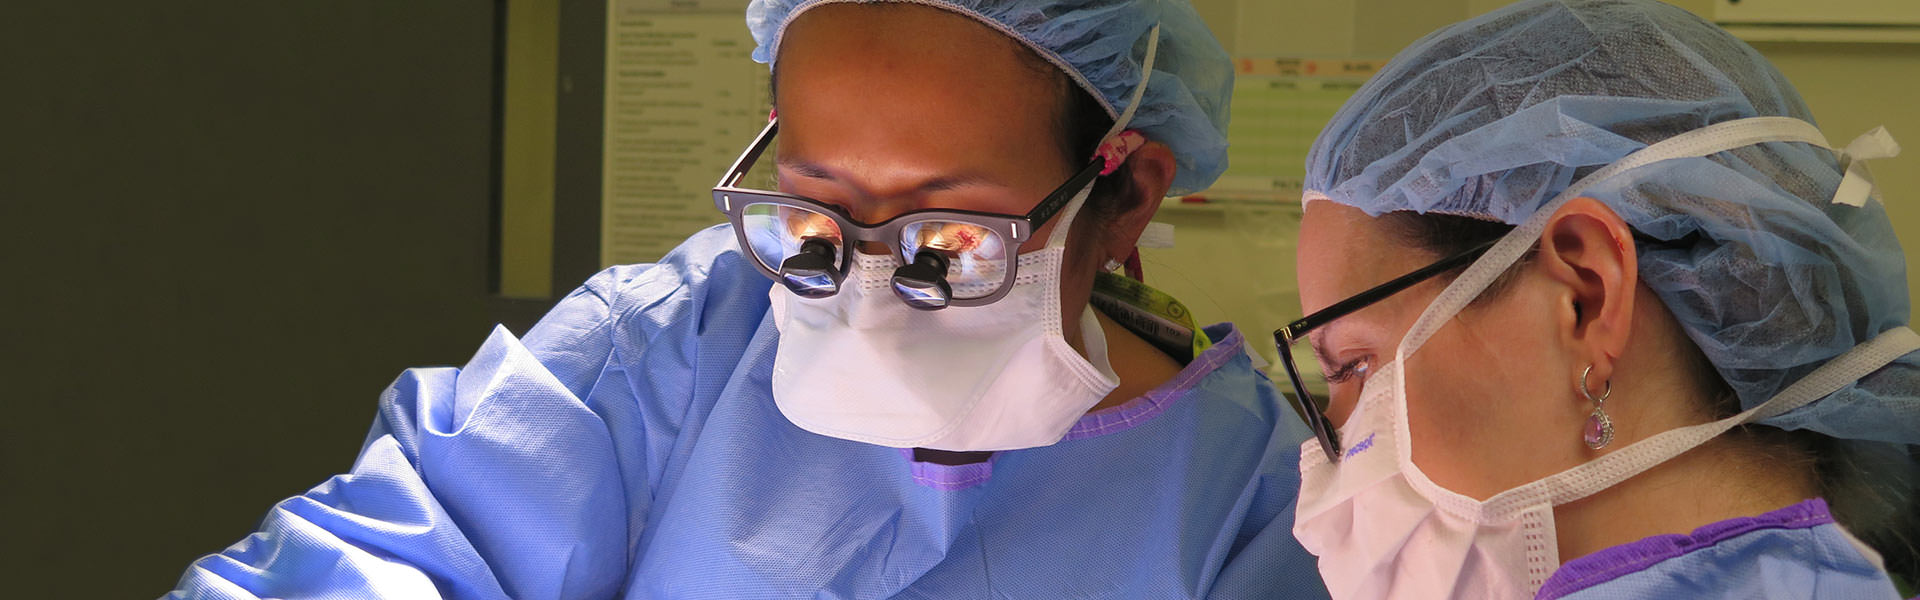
point(1603, 315)
point(641, 440)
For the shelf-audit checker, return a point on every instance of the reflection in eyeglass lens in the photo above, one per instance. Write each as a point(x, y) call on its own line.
point(804, 224)
point(956, 240)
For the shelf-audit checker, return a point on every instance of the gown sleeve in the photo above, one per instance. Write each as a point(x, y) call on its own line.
point(524, 474)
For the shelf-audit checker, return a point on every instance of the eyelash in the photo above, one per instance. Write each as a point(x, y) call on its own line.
point(1348, 371)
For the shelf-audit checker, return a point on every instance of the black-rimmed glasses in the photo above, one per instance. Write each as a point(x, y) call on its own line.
point(1314, 409)
point(943, 257)
point(1295, 333)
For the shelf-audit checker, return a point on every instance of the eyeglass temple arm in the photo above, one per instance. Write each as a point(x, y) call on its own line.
point(739, 168)
point(1298, 329)
point(1058, 199)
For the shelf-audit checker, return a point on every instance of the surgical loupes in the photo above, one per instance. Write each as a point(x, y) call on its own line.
point(923, 284)
point(810, 273)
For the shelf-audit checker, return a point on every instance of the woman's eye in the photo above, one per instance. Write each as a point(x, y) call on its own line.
point(1352, 370)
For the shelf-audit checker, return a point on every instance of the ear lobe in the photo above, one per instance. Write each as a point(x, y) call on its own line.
point(1589, 249)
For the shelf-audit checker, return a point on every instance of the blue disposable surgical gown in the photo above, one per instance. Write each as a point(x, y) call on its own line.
point(1796, 553)
point(629, 447)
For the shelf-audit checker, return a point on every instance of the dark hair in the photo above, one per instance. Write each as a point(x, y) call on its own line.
point(1447, 235)
point(1870, 486)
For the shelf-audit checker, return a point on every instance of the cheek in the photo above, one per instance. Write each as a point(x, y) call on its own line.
point(1086, 237)
point(1083, 258)
point(1471, 420)
point(1481, 403)
point(1085, 228)
point(1449, 409)
point(1038, 239)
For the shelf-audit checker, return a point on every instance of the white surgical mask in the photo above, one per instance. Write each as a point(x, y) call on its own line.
point(862, 365)
point(1382, 529)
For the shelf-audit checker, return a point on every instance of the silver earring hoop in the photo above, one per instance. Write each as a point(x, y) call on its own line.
point(1114, 265)
point(1599, 429)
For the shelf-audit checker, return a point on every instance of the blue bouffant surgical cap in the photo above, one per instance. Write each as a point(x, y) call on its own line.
point(1099, 44)
point(1766, 272)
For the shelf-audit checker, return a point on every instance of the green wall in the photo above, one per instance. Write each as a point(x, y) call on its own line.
point(1855, 87)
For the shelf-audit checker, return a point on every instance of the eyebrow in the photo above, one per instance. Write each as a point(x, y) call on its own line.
point(1316, 340)
point(937, 184)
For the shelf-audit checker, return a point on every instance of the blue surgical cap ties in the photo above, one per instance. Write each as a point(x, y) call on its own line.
point(1857, 186)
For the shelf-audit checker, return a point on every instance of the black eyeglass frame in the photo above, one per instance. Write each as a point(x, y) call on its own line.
point(1285, 337)
point(732, 199)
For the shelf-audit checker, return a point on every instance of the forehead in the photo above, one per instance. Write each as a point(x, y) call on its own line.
point(1343, 251)
point(908, 75)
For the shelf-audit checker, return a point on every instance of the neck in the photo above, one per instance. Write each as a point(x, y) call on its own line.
point(1718, 481)
point(1140, 366)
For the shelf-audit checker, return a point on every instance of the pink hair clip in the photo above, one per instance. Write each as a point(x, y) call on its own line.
point(1114, 150)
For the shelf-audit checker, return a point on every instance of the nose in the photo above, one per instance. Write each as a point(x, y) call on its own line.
point(876, 212)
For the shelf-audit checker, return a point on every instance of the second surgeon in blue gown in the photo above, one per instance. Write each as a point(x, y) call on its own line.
point(632, 445)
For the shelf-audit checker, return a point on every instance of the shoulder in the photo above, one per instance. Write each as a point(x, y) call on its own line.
point(1246, 417)
point(1243, 389)
point(705, 268)
point(703, 287)
point(703, 275)
point(1795, 552)
point(1241, 409)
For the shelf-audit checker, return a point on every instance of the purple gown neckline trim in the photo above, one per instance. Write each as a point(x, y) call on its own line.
point(1613, 563)
point(1139, 410)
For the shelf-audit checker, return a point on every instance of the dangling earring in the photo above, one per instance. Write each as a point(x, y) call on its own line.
point(1113, 265)
point(1599, 430)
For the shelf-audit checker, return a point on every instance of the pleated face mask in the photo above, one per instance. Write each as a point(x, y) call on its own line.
point(861, 365)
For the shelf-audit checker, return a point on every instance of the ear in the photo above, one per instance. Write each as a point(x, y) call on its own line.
point(1151, 167)
point(1588, 250)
